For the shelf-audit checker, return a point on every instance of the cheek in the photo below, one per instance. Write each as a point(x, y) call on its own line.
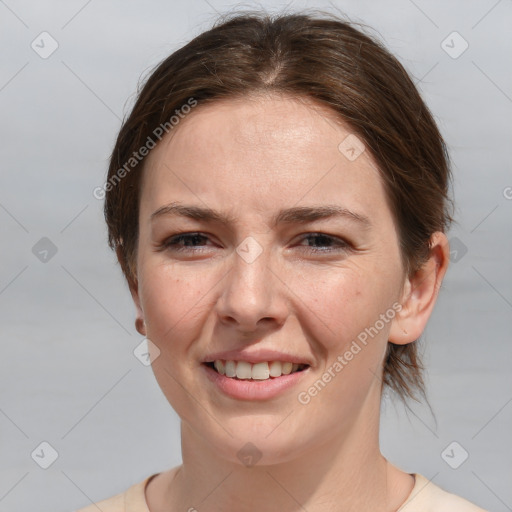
point(171, 302)
point(342, 303)
point(350, 336)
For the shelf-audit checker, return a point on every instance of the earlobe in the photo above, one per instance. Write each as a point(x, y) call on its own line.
point(133, 285)
point(140, 324)
point(420, 293)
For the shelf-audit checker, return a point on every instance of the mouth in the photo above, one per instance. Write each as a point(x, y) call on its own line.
point(243, 370)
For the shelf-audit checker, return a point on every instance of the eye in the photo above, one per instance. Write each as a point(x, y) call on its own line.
point(191, 241)
point(328, 242)
point(196, 242)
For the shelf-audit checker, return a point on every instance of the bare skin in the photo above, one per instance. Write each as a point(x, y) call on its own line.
point(305, 294)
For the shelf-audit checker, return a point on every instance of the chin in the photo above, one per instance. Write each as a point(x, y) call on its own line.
point(255, 441)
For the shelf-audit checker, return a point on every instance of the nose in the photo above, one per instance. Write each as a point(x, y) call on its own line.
point(253, 294)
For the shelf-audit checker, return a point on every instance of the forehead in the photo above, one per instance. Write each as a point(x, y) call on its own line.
point(273, 124)
point(262, 150)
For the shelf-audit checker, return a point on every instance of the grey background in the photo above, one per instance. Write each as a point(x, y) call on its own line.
point(68, 375)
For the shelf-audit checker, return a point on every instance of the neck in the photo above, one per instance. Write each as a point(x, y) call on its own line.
point(345, 471)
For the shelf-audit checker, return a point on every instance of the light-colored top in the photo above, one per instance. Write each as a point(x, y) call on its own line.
point(425, 497)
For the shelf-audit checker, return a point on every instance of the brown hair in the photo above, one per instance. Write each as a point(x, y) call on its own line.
point(317, 56)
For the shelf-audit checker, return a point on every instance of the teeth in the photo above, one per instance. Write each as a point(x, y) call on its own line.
point(230, 369)
point(275, 369)
point(286, 368)
point(219, 366)
point(258, 371)
point(243, 370)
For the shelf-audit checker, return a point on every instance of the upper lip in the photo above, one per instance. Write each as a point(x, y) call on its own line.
point(256, 356)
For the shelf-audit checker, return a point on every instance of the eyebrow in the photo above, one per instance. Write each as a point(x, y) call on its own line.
point(297, 214)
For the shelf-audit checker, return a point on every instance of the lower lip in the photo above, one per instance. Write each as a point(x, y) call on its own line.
point(253, 389)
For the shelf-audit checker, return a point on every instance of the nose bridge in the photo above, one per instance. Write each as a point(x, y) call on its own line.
point(250, 276)
point(251, 291)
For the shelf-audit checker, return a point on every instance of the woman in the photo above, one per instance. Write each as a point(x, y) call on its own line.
point(278, 203)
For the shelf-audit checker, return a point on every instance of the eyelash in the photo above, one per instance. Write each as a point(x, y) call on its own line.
point(172, 243)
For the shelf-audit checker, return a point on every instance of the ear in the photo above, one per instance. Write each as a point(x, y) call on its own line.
point(133, 285)
point(420, 292)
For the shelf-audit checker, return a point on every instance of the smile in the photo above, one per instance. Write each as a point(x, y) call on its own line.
point(258, 371)
point(241, 385)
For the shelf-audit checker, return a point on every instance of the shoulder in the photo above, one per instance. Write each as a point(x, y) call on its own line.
point(131, 499)
point(113, 504)
point(428, 497)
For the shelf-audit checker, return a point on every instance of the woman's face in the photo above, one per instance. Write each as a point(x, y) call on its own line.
point(303, 289)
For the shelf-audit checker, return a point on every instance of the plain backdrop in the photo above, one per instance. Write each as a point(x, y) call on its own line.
point(68, 374)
